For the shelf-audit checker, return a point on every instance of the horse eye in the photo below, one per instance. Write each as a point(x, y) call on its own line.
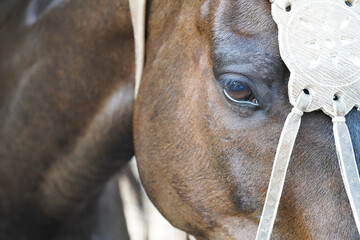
point(239, 92)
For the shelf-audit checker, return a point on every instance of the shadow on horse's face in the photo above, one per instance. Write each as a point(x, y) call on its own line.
point(208, 117)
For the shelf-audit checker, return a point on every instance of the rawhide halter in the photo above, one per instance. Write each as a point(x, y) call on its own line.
point(319, 42)
point(137, 12)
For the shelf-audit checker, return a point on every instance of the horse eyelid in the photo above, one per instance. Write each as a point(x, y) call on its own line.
point(256, 104)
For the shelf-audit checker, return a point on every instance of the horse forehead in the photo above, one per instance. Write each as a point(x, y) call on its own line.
point(243, 16)
point(242, 33)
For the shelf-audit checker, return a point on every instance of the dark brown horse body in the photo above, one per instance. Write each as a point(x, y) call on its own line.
point(66, 72)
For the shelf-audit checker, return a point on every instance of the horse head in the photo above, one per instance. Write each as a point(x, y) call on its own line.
point(208, 116)
point(207, 120)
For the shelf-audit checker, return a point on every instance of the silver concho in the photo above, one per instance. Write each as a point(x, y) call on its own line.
point(320, 44)
point(319, 41)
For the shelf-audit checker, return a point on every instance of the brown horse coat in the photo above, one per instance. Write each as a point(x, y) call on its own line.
point(66, 100)
point(204, 159)
point(66, 104)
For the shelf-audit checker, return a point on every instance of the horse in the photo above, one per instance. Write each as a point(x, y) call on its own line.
point(208, 116)
point(66, 70)
point(204, 126)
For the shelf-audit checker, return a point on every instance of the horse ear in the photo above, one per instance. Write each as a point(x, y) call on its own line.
point(38, 8)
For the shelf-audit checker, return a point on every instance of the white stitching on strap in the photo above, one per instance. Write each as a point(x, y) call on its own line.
point(338, 119)
point(297, 111)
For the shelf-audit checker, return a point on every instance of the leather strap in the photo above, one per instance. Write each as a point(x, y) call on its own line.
point(138, 11)
point(347, 162)
point(281, 163)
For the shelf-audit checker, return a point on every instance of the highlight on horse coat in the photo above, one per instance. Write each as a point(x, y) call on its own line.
point(204, 126)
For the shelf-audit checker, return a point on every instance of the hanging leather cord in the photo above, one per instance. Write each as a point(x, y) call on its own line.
point(346, 157)
point(281, 163)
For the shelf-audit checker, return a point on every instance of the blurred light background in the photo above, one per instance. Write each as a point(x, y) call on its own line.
point(144, 222)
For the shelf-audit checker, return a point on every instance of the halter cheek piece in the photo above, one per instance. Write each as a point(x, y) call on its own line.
point(138, 11)
point(319, 41)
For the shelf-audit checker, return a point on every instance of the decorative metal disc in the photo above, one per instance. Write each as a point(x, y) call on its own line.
point(320, 44)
